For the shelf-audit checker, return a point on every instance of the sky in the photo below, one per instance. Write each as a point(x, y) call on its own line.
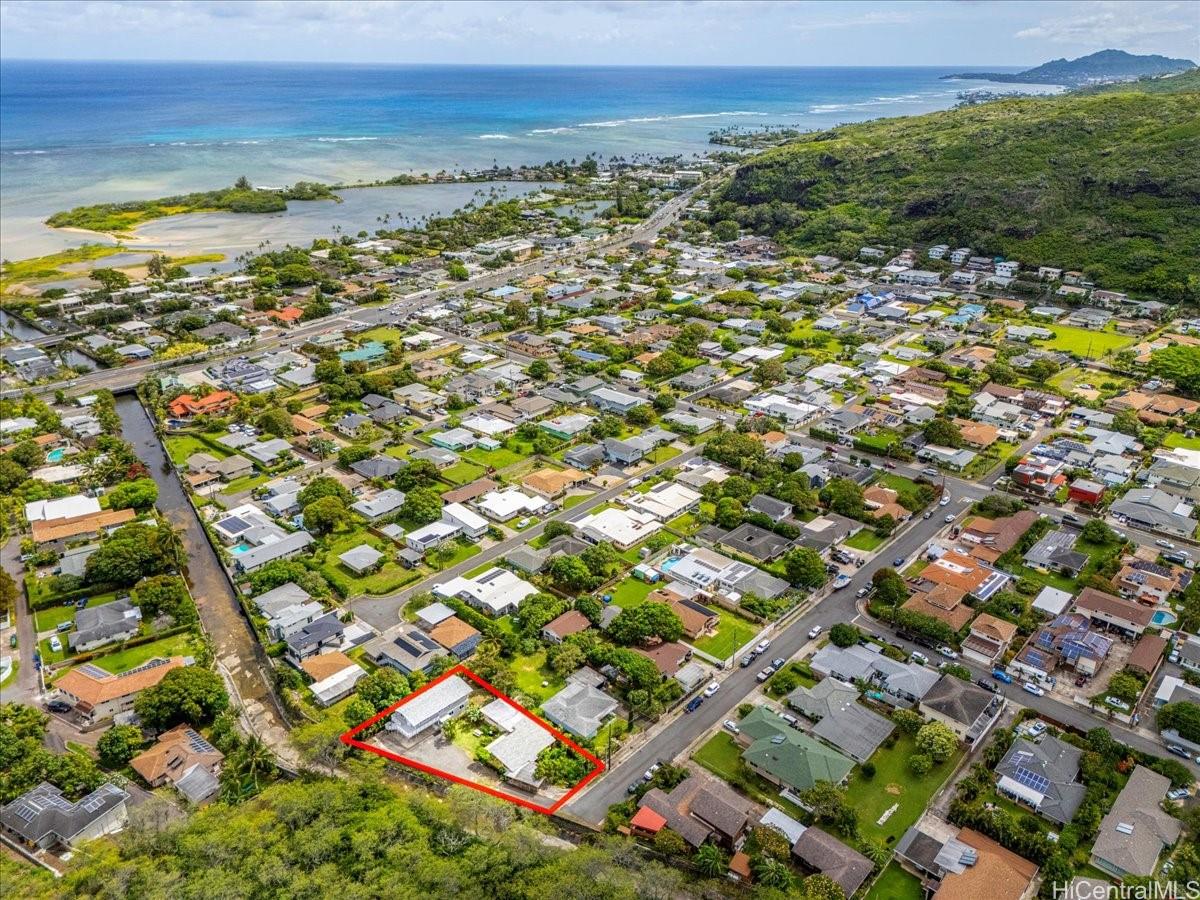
point(600, 32)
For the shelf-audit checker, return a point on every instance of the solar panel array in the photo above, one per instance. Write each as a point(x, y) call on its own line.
point(199, 744)
point(1032, 779)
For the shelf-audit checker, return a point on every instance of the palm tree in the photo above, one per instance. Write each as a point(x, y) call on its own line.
point(772, 872)
point(252, 760)
point(876, 852)
point(710, 860)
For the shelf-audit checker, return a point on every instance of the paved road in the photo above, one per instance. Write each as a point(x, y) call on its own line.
point(384, 612)
point(129, 376)
point(738, 683)
point(28, 684)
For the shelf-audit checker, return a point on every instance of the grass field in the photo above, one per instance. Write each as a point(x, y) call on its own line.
point(1175, 439)
point(500, 458)
point(573, 500)
point(123, 660)
point(894, 782)
point(245, 483)
point(389, 577)
point(530, 672)
point(732, 633)
point(383, 334)
point(462, 473)
point(181, 446)
point(1082, 342)
point(896, 884)
point(46, 619)
point(631, 592)
point(866, 540)
point(462, 552)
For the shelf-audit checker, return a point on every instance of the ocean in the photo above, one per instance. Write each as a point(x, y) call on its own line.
point(74, 133)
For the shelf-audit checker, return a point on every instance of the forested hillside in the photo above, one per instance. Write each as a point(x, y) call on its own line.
point(355, 838)
point(1108, 183)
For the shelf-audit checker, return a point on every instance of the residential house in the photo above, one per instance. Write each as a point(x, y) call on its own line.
point(966, 709)
point(580, 709)
point(316, 637)
point(1043, 776)
point(434, 704)
point(820, 852)
point(1115, 613)
point(333, 675)
point(96, 695)
point(496, 592)
point(182, 758)
point(988, 639)
point(1136, 830)
point(699, 809)
point(405, 649)
point(785, 756)
point(42, 818)
point(839, 719)
point(456, 636)
point(561, 627)
point(96, 626)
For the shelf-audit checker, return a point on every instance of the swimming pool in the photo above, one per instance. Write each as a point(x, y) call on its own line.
point(669, 563)
point(56, 454)
point(238, 549)
point(1163, 617)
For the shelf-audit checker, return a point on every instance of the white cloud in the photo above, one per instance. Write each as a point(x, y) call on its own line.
point(1128, 26)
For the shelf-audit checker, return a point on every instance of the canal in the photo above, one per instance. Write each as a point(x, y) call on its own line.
point(236, 647)
point(23, 331)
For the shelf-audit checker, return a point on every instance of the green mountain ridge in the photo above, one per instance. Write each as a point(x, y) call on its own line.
point(1105, 65)
point(1107, 183)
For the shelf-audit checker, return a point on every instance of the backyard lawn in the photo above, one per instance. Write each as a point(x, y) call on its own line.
point(123, 660)
point(389, 577)
point(530, 672)
point(1083, 342)
point(732, 633)
point(245, 483)
point(896, 884)
point(1175, 439)
point(460, 553)
point(181, 446)
point(572, 500)
point(685, 524)
point(46, 619)
point(498, 459)
point(866, 540)
point(462, 473)
point(894, 783)
point(631, 592)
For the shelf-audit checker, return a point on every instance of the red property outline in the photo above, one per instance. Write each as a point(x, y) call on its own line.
point(348, 738)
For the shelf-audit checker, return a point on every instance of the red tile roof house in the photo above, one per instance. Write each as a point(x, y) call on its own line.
point(185, 405)
point(289, 315)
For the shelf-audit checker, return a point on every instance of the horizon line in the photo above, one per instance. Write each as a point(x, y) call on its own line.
point(499, 65)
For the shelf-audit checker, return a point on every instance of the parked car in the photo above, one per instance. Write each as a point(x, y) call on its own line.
point(931, 472)
point(889, 465)
point(987, 685)
point(1166, 544)
point(1178, 794)
point(713, 687)
point(928, 514)
point(920, 658)
point(814, 631)
point(1030, 688)
point(1001, 675)
point(746, 660)
point(862, 592)
point(65, 626)
point(1117, 703)
point(1081, 681)
point(765, 674)
point(1178, 751)
point(731, 726)
point(694, 704)
point(632, 789)
point(55, 644)
point(947, 652)
point(761, 646)
point(778, 662)
point(1036, 729)
point(12, 640)
point(58, 706)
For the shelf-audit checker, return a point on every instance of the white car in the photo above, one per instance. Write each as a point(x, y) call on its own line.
point(1030, 688)
point(712, 688)
point(1166, 544)
point(731, 726)
point(945, 501)
point(947, 652)
point(949, 519)
point(761, 647)
point(814, 631)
